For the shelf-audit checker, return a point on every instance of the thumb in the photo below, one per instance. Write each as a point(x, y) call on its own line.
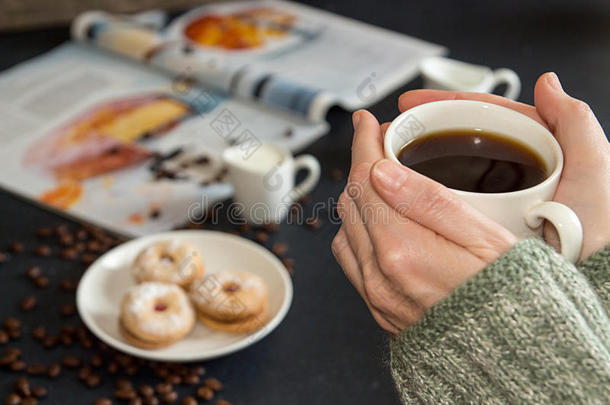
point(437, 208)
point(572, 122)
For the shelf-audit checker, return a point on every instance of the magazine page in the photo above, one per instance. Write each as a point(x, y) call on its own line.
point(122, 146)
point(355, 62)
point(281, 54)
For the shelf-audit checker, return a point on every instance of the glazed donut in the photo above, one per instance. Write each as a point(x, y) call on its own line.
point(169, 262)
point(155, 315)
point(231, 301)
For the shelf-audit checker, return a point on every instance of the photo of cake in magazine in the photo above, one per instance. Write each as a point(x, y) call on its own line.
point(130, 118)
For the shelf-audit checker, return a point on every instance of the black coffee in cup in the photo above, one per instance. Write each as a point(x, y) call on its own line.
point(474, 160)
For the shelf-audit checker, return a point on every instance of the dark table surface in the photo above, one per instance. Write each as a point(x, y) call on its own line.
point(328, 350)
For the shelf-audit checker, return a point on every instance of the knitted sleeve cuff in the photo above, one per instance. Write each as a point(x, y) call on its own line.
point(526, 328)
point(596, 269)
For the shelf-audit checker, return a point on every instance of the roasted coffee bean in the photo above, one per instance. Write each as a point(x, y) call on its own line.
point(86, 343)
point(96, 360)
point(43, 250)
point(67, 309)
point(36, 369)
point(29, 401)
point(135, 401)
point(261, 237)
point(44, 232)
point(3, 257)
point(113, 367)
point(13, 352)
point(66, 340)
point(83, 373)
point(161, 371)
point(54, 370)
point(4, 338)
point(279, 248)
point(205, 393)
point(125, 393)
point(213, 383)
point(6, 360)
point(337, 174)
point(39, 391)
point(146, 391)
point(34, 272)
point(15, 247)
point(18, 365)
point(123, 359)
point(12, 399)
point(243, 228)
point(69, 254)
point(103, 401)
point(66, 240)
point(11, 323)
point(81, 234)
point(87, 258)
point(22, 387)
point(191, 379)
point(50, 342)
point(61, 229)
point(68, 330)
point(79, 247)
point(173, 379)
point(313, 222)
point(67, 285)
point(93, 380)
point(14, 334)
point(163, 388)
point(289, 264)
point(198, 370)
point(170, 397)
point(94, 246)
point(271, 228)
point(123, 383)
point(132, 369)
point(42, 282)
point(39, 332)
point(71, 361)
point(222, 402)
point(151, 401)
point(189, 401)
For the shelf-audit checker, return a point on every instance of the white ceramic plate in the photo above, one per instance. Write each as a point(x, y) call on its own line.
point(103, 285)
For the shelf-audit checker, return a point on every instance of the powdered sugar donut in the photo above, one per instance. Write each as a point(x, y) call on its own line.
point(231, 301)
point(170, 262)
point(155, 315)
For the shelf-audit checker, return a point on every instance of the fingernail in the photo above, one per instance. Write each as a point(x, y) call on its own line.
point(356, 119)
point(553, 81)
point(390, 174)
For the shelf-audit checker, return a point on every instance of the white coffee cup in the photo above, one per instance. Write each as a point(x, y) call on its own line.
point(263, 181)
point(523, 211)
point(449, 74)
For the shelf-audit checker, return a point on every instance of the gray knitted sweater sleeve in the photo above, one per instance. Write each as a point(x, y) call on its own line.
point(529, 328)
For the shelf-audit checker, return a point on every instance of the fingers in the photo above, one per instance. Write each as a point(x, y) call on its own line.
point(437, 208)
point(347, 260)
point(414, 98)
point(367, 145)
point(571, 120)
point(384, 128)
point(364, 273)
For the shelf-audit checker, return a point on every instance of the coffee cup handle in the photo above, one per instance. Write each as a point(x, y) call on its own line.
point(311, 164)
point(566, 223)
point(513, 84)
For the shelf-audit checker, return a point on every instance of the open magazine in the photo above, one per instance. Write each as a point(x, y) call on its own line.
point(124, 126)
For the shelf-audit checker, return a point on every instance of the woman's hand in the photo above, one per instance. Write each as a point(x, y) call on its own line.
point(406, 241)
point(585, 182)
